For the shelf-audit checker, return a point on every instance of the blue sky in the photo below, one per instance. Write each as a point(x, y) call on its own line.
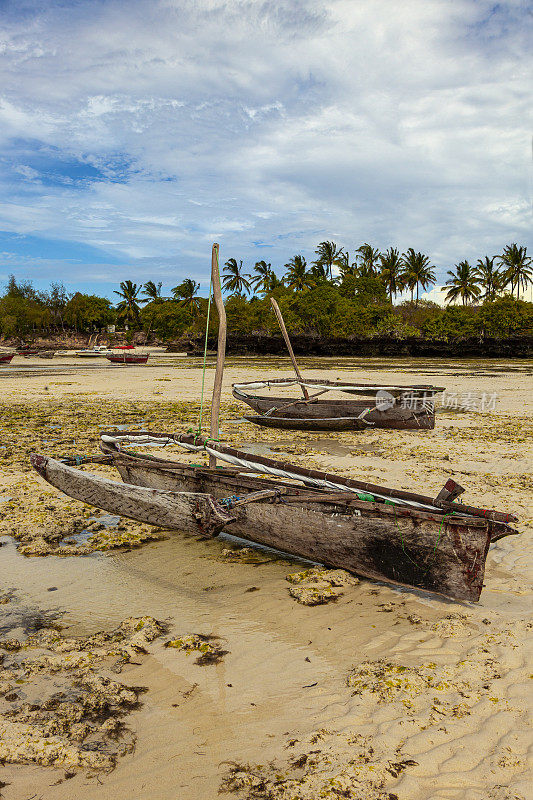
point(134, 134)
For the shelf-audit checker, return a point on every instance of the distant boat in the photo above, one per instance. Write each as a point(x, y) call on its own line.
point(128, 358)
point(93, 352)
point(5, 358)
point(27, 351)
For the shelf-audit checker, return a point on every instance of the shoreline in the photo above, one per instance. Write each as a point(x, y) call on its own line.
point(261, 343)
point(382, 692)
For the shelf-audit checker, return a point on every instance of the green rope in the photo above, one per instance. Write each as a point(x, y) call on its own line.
point(205, 358)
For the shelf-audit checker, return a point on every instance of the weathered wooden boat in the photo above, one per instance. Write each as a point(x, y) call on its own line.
point(403, 407)
point(5, 358)
point(128, 358)
point(380, 406)
point(438, 545)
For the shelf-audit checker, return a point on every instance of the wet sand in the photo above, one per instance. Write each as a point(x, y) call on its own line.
point(381, 693)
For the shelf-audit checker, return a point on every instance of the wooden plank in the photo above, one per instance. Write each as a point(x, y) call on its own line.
point(146, 474)
point(449, 491)
point(227, 481)
point(459, 508)
point(352, 388)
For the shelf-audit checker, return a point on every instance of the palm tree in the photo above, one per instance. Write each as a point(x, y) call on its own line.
point(392, 271)
point(273, 282)
point(463, 283)
point(297, 277)
point(263, 276)
point(489, 277)
point(152, 292)
point(185, 294)
point(517, 267)
point(234, 281)
point(128, 307)
point(417, 271)
point(317, 275)
point(328, 256)
point(367, 258)
point(345, 267)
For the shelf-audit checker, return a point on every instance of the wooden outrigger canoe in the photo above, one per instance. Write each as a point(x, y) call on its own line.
point(382, 533)
point(380, 406)
point(437, 551)
point(401, 407)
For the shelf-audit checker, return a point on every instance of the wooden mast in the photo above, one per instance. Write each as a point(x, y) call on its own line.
point(221, 347)
point(289, 346)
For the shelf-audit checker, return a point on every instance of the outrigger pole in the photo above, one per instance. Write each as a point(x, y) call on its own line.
point(289, 346)
point(221, 348)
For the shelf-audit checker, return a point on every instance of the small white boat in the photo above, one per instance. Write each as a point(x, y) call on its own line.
point(94, 352)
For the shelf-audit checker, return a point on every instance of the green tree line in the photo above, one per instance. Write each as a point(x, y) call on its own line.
point(334, 295)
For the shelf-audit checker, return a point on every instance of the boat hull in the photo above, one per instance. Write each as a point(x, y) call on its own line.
point(334, 414)
point(431, 552)
point(6, 359)
point(127, 359)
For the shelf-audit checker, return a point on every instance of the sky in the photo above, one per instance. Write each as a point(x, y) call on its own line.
point(135, 133)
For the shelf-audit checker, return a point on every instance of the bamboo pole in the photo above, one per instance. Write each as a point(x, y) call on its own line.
point(289, 346)
point(221, 347)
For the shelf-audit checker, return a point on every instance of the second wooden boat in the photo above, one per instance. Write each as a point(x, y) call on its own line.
point(380, 406)
point(128, 358)
point(402, 407)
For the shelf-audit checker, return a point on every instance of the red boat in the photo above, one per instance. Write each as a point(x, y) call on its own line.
point(5, 358)
point(124, 347)
point(128, 358)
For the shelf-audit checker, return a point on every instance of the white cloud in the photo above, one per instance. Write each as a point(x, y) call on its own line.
point(281, 122)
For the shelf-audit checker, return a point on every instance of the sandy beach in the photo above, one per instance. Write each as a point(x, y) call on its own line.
point(189, 669)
